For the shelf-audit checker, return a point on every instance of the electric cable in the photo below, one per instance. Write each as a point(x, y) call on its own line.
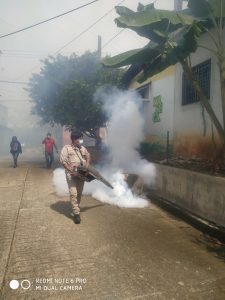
point(87, 29)
point(39, 23)
point(16, 82)
point(110, 40)
point(76, 37)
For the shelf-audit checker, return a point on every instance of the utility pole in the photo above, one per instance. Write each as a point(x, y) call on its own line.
point(99, 46)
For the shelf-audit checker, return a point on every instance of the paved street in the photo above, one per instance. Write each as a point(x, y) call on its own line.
point(113, 254)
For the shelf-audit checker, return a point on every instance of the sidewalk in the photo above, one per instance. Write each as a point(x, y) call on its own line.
point(113, 254)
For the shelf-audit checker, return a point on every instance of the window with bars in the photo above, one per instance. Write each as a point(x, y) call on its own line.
point(202, 73)
point(144, 91)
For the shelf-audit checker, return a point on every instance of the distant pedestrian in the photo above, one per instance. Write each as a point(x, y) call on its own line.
point(49, 143)
point(72, 156)
point(15, 150)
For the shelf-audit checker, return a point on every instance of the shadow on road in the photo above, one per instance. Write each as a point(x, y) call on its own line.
point(64, 207)
point(212, 245)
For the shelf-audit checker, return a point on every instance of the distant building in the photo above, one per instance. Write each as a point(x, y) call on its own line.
point(3, 115)
point(5, 132)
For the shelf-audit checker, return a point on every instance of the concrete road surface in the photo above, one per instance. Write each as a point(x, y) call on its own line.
point(113, 254)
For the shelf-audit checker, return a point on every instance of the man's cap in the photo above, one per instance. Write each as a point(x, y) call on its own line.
point(76, 134)
point(49, 133)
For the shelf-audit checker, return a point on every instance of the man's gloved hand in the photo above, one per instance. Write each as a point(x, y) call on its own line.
point(82, 172)
point(73, 172)
point(76, 173)
point(81, 177)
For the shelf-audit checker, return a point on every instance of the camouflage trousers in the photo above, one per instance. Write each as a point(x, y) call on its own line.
point(76, 186)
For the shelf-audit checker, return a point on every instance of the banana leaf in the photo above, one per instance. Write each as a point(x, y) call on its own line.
point(149, 22)
point(142, 55)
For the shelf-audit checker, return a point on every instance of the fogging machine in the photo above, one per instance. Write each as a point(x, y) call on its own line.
point(90, 173)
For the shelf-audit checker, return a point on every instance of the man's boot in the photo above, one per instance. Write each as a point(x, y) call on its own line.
point(77, 219)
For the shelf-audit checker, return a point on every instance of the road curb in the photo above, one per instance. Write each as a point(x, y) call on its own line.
point(196, 221)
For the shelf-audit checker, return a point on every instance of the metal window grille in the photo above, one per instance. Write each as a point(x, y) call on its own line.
point(202, 74)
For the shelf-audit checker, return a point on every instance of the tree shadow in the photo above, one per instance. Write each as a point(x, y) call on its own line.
point(64, 207)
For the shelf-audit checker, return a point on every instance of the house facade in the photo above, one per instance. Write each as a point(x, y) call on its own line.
point(172, 108)
point(5, 132)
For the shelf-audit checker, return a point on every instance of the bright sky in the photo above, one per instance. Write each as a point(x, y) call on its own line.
point(21, 53)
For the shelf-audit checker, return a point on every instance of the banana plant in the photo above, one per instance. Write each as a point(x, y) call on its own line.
point(173, 37)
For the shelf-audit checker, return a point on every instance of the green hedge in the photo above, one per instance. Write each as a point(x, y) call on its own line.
point(154, 150)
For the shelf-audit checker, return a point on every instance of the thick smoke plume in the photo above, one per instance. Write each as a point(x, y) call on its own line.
point(125, 132)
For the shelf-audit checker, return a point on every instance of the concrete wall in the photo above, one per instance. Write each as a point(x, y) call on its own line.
point(201, 194)
point(162, 86)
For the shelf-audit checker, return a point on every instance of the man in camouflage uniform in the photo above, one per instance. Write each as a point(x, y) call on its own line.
point(71, 157)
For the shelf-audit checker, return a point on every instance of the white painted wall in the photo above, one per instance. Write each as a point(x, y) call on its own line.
point(163, 87)
point(182, 121)
point(188, 118)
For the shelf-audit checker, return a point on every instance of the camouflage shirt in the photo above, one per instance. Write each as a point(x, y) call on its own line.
point(74, 156)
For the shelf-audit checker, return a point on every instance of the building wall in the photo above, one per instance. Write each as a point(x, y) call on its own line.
point(4, 131)
point(201, 194)
point(5, 138)
point(188, 134)
point(190, 138)
point(158, 109)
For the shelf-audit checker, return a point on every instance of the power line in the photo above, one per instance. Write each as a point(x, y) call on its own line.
point(110, 40)
point(16, 82)
point(23, 51)
point(33, 54)
point(15, 100)
point(88, 28)
point(40, 56)
point(39, 23)
point(76, 37)
point(25, 57)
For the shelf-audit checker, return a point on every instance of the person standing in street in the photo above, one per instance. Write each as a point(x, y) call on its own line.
point(49, 143)
point(15, 150)
point(72, 156)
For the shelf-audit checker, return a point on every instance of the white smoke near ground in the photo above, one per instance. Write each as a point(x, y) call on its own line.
point(125, 132)
point(121, 195)
point(59, 182)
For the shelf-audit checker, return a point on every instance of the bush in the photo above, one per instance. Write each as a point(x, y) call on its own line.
point(154, 150)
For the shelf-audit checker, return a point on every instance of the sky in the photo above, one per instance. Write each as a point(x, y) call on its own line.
point(21, 53)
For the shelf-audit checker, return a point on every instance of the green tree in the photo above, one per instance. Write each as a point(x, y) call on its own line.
point(63, 91)
point(173, 37)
